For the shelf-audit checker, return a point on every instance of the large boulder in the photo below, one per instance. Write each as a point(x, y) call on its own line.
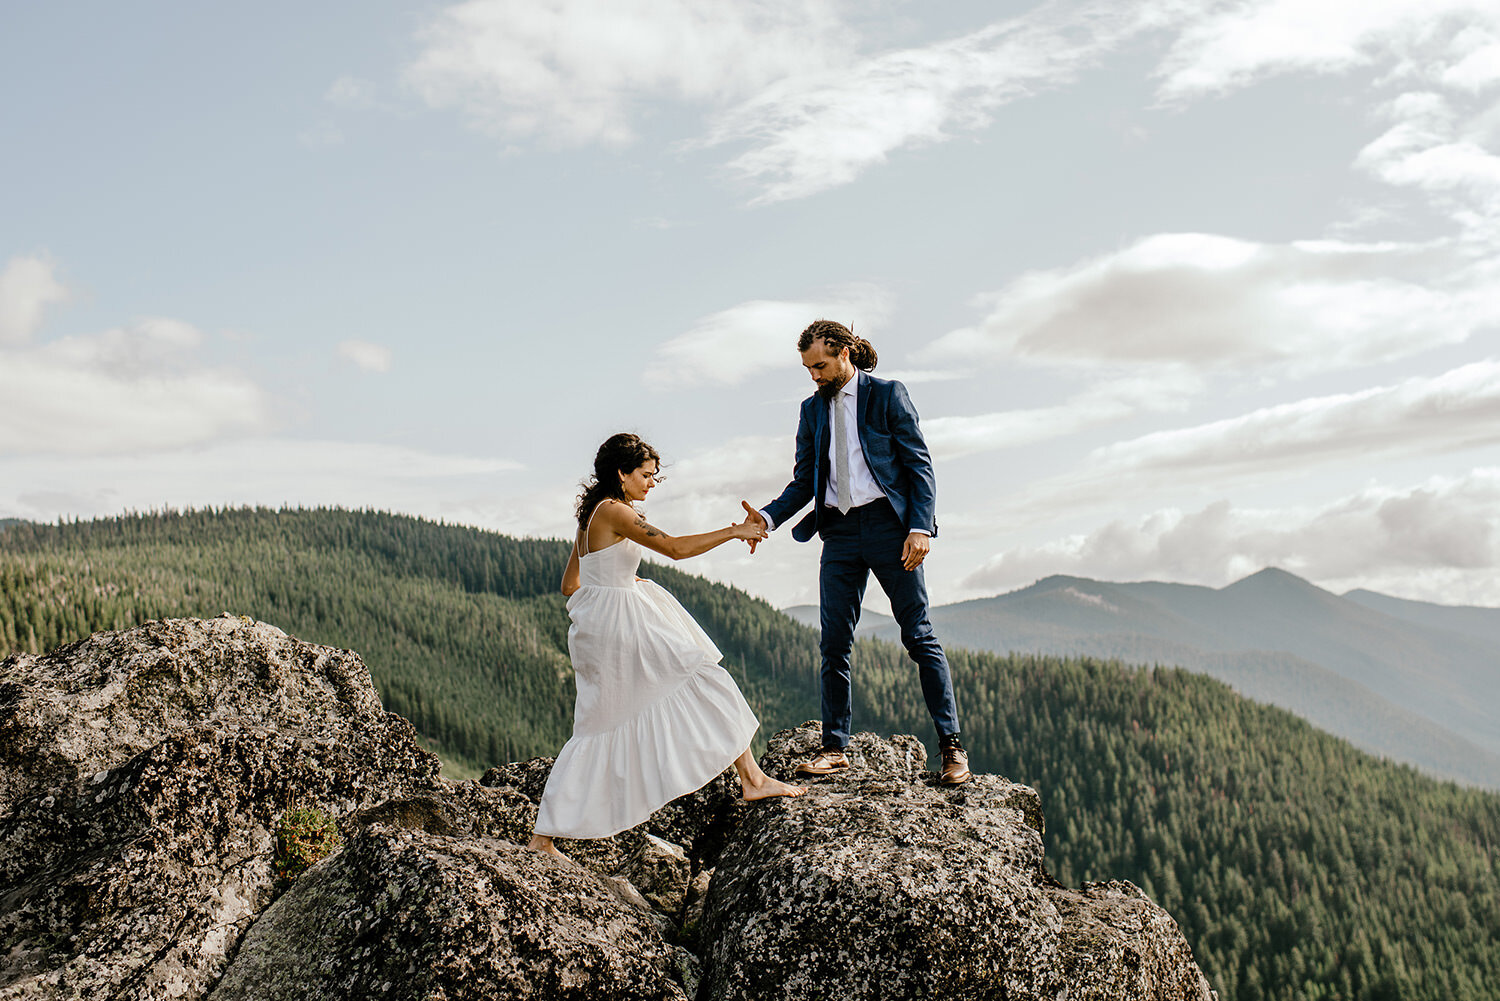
point(879, 883)
point(406, 915)
point(142, 774)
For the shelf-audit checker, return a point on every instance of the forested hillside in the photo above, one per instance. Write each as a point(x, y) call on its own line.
point(464, 631)
point(1298, 867)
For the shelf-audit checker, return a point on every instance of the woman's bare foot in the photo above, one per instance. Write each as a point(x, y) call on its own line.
point(756, 784)
point(768, 787)
point(546, 847)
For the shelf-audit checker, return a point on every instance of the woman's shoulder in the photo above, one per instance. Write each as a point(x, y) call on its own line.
point(607, 507)
point(614, 508)
point(610, 515)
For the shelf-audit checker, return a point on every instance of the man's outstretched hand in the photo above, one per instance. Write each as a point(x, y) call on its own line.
point(752, 515)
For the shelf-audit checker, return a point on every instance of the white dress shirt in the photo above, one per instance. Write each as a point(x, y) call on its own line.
point(862, 486)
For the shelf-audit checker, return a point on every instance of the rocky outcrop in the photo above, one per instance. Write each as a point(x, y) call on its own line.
point(404, 914)
point(888, 885)
point(142, 773)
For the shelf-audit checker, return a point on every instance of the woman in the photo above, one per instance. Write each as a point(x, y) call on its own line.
point(656, 716)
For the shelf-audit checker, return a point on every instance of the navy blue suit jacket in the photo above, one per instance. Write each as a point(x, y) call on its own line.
point(894, 451)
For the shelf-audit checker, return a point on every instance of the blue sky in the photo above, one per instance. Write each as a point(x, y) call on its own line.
point(1180, 290)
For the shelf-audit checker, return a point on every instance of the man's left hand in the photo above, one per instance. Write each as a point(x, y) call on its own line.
point(914, 551)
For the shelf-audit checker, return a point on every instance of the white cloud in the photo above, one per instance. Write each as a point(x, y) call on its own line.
point(365, 356)
point(1438, 57)
point(786, 79)
point(259, 470)
point(1214, 302)
point(1439, 540)
point(1097, 406)
point(1456, 410)
point(1477, 66)
point(128, 389)
point(755, 336)
point(782, 76)
point(811, 132)
point(28, 285)
point(575, 71)
point(1439, 149)
point(1242, 43)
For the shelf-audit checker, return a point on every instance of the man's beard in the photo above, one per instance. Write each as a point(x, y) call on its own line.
point(830, 389)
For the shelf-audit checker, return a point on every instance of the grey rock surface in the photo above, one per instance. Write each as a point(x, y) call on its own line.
point(406, 915)
point(661, 871)
point(881, 884)
point(696, 822)
point(141, 776)
point(1116, 943)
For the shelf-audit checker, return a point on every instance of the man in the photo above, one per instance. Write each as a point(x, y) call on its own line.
point(862, 462)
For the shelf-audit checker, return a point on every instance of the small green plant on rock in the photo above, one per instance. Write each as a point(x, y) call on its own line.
point(304, 835)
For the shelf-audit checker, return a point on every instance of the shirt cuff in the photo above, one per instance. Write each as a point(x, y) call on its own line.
point(770, 525)
point(920, 531)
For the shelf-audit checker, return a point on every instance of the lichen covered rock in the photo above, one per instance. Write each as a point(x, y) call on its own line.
point(1116, 943)
point(881, 884)
point(141, 775)
point(406, 915)
point(696, 822)
point(662, 872)
point(143, 772)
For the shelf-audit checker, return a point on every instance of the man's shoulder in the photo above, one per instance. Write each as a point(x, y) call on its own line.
point(882, 388)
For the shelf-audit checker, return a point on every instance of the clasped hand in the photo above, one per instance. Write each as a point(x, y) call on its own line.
point(754, 526)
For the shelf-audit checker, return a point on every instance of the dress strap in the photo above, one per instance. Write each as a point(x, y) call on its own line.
point(590, 524)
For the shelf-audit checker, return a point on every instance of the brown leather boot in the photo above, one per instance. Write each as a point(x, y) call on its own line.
point(955, 762)
point(829, 759)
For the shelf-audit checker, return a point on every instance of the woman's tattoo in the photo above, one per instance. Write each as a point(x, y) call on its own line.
point(640, 522)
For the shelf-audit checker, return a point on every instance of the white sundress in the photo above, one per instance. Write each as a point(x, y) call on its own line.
point(656, 716)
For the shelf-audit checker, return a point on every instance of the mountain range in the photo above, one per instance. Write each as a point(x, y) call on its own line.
point(1413, 681)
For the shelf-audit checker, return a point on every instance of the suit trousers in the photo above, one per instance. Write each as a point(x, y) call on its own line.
point(869, 540)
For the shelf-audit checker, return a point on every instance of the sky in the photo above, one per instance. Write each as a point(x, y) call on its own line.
point(1180, 290)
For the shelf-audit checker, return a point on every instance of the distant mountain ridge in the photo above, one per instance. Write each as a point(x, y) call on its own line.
point(1414, 681)
point(1481, 623)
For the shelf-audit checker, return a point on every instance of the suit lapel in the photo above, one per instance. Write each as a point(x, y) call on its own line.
point(862, 396)
point(820, 426)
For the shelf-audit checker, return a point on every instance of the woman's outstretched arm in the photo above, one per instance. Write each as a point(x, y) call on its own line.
point(625, 520)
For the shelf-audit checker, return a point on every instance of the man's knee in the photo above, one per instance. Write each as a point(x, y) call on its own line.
point(836, 649)
point(923, 646)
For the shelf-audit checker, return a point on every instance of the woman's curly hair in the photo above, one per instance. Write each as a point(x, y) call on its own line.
point(620, 453)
